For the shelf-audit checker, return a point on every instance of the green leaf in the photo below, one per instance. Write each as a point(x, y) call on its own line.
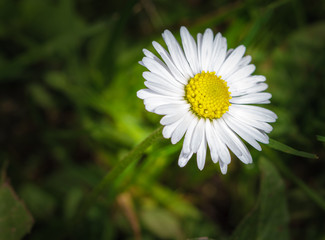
point(161, 222)
point(274, 215)
point(284, 148)
point(244, 231)
point(321, 138)
point(311, 193)
point(15, 220)
point(269, 219)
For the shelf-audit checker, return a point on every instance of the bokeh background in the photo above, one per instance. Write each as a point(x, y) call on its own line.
point(69, 74)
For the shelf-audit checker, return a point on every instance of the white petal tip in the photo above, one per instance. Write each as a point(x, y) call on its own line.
point(242, 48)
point(166, 134)
point(184, 158)
point(140, 94)
point(214, 159)
point(183, 28)
point(223, 168)
point(200, 165)
point(174, 141)
point(182, 162)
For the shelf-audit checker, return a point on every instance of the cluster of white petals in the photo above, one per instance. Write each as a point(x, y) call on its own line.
point(167, 77)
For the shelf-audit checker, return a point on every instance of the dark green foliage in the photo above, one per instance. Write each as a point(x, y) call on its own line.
point(269, 218)
point(69, 74)
point(15, 220)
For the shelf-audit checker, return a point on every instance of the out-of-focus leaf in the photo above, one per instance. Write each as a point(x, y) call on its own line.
point(269, 218)
point(321, 138)
point(311, 193)
point(172, 201)
point(106, 63)
point(273, 216)
point(161, 222)
point(284, 148)
point(61, 44)
point(15, 220)
point(72, 202)
point(41, 96)
point(41, 203)
point(245, 229)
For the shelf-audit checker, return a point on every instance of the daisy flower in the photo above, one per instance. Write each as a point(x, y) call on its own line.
point(205, 93)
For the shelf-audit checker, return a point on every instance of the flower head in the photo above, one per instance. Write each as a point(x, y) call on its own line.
point(205, 92)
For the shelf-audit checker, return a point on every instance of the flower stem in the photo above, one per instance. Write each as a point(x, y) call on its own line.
point(131, 157)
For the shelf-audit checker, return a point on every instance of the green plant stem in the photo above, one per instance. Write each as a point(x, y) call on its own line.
point(131, 157)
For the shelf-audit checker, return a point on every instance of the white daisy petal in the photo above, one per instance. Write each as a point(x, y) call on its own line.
point(218, 149)
point(221, 147)
point(177, 54)
point(254, 98)
point(257, 113)
point(190, 50)
point(169, 62)
point(241, 73)
point(169, 129)
point(206, 49)
point(232, 60)
point(230, 50)
point(245, 134)
point(182, 127)
point(150, 107)
point(164, 89)
point(219, 55)
point(184, 157)
point(248, 81)
point(149, 54)
point(171, 118)
point(189, 135)
point(250, 121)
point(153, 77)
point(145, 93)
point(237, 91)
point(245, 61)
point(198, 135)
point(159, 69)
point(160, 101)
point(201, 153)
point(153, 102)
point(212, 141)
point(216, 47)
point(199, 49)
point(171, 108)
point(203, 91)
point(223, 167)
point(233, 142)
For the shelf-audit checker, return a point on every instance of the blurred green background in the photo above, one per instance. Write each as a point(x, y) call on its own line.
point(69, 74)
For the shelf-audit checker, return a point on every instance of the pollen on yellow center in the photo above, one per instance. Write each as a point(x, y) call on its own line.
point(208, 95)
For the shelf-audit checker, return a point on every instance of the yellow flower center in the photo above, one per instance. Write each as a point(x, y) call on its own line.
point(208, 95)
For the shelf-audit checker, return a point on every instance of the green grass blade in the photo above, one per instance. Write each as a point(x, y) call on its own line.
point(284, 148)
